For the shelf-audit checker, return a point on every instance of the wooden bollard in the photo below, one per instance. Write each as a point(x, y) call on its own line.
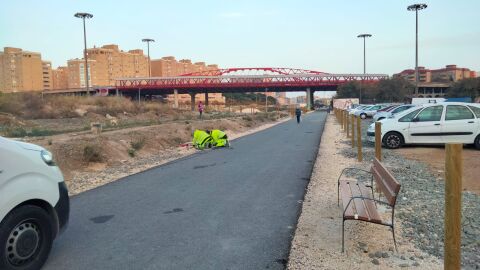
point(378, 140)
point(453, 205)
point(347, 124)
point(359, 139)
point(352, 120)
point(341, 118)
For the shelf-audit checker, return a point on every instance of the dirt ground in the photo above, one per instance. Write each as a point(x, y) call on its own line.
point(317, 241)
point(434, 156)
point(157, 144)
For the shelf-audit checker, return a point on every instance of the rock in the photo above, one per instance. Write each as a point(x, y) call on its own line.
point(390, 249)
point(385, 255)
point(375, 261)
point(415, 264)
point(371, 255)
point(412, 258)
point(403, 257)
point(378, 254)
point(404, 265)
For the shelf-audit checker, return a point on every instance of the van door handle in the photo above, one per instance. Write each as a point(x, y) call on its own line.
point(437, 124)
point(471, 122)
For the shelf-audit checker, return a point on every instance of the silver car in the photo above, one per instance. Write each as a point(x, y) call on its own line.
point(369, 111)
point(392, 111)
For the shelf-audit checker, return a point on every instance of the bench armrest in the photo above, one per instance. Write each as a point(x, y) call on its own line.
point(351, 169)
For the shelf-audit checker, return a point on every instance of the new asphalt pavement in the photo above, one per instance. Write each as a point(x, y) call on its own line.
point(217, 209)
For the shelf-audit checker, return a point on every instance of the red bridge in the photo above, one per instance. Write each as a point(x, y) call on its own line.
point(240, 80)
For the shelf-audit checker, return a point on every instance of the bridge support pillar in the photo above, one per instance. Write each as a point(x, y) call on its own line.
point(192, 101)
point(175, 98)
point(206, 98)
point(309, 98)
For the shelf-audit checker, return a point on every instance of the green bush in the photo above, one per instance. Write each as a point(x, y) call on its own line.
point(131, 152)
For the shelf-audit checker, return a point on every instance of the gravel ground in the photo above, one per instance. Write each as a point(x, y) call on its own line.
point(82, 181)
point(421, 205)
point(317, 240)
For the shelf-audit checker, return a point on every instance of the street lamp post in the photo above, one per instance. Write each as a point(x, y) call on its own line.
point(148, 40)
point(416, 8)
point(364, 60)
point(83, 16)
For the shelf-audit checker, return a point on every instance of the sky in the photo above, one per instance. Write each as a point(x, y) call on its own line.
point(317, 35)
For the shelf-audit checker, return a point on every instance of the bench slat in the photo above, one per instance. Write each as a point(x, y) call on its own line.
point(346, 194)
point(370, 205)
point(390, 195)
point(359, 205)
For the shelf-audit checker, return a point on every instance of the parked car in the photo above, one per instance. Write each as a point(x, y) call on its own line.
point(439, 123)
point(360, 107)
point(382, 114)
point(34, 204)
point(369, 111)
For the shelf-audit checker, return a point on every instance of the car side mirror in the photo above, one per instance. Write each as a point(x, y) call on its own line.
point(415, 119)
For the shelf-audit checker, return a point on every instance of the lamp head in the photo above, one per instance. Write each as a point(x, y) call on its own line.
point(415, 7)
point(83, 15)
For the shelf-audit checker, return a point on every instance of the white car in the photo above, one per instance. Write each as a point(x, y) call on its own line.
point(391, 111)
point(34, 205)
point(369, 111)
point(448, 122)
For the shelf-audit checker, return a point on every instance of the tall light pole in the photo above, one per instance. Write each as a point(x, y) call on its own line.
point(83, 16)
point(364, 36)
point(416, 8)
point(148, 40)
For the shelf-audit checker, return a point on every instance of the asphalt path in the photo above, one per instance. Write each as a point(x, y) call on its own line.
point(216, 209)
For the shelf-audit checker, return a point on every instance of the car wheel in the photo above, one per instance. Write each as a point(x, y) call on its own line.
point(26, 236)
point(477, 142)
point(392, 140)
point(363, 116)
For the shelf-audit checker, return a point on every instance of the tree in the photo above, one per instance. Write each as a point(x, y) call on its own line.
point(465, 88)
point(389, 90)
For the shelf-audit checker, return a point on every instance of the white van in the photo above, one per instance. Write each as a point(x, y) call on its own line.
point(34, 205)
point(435, 123)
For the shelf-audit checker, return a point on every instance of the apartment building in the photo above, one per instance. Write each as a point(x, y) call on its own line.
point(76, 73)
point(21, 71)
point(451, 73)
point(60, 78)
point(168, 66)
point(113, 63)
point(47, 75)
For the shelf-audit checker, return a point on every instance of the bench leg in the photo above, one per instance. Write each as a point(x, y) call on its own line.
point(338, 194)
point(394, 241)
point(343, 235)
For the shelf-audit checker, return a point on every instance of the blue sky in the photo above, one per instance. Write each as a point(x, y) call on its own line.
point(317, 35)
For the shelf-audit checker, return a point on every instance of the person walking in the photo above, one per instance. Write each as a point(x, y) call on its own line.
point(200, 108)
point(298, 113)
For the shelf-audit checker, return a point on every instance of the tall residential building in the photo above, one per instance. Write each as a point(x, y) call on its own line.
point(21, 71)
point(168, 67)
point(47, 75)
point(451, 73)
point(60, 78)
point(76, 73)
point(113, 63)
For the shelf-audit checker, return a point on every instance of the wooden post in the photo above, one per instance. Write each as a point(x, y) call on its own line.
point(347, 124)
point(359, 139)
point(453, 205)
point(341, 118)
point(352, 119)
point(378, 140)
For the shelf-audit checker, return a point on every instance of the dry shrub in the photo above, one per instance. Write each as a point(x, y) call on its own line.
point(92, 153)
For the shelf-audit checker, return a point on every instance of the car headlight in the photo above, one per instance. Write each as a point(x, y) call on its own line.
point(47, 157)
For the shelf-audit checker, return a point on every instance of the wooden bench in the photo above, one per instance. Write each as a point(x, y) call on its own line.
point(358, 199)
